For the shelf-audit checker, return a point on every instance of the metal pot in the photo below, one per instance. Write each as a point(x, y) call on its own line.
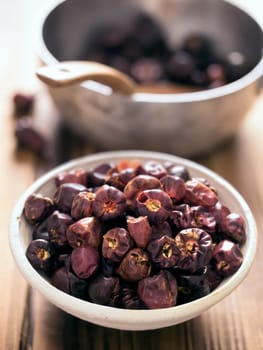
point(185, 124)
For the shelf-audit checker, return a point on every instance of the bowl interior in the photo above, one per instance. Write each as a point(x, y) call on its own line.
point(20, 236)
point(66, 29)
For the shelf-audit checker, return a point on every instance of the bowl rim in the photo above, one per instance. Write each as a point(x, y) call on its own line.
point(184, 97)
point(121, 318)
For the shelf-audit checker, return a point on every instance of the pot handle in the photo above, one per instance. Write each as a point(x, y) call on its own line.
point(72, 72)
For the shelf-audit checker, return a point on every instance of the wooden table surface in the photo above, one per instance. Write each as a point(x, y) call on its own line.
point(27, 321)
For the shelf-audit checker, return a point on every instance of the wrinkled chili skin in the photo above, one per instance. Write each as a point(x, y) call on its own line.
point(109, 203)
point(155, 204)
point(128, 298)
point(162, 229)
point(195, 247)
point(84, 232)
point(57, 225)
point(140, 230)
point(136, 185)
point(158, 291)
point(134, 235)
point(155, 169)
point(120, 179)
point(198, 193)
point(79, 176)
point(41, 255)
point(174, 186)
point(37, 208)
point(233, 226)
point(104, 290)
point(68, 282)
point(164, 252)
point(65, 194)
point(201, 218)
point(181, 217)
point(85, 261)
point(82, 205)
point(135, 265)
point(116, 243)
point(192, 287)
point(227, 258)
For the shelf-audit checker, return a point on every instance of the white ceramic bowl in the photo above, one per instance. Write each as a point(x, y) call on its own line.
point(20, 234)
point(185, 124)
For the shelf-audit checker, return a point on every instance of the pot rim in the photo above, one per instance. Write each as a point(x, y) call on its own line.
point(183, 97)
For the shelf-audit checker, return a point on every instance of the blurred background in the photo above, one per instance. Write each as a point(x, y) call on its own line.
point(17, 23)
point(18, 62)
